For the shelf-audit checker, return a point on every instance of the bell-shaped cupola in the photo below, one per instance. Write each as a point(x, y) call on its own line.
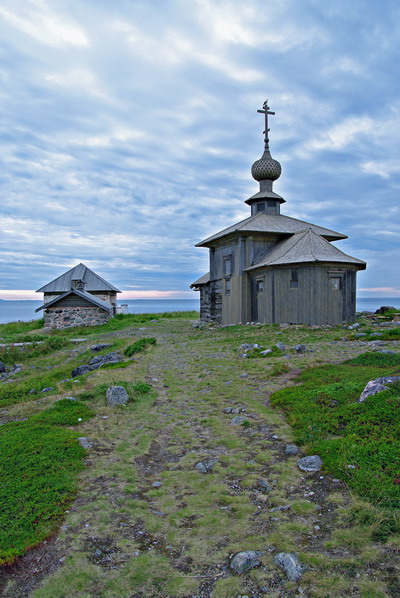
point(266, 170)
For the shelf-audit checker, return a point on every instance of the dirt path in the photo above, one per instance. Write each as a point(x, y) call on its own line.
point(148, 523)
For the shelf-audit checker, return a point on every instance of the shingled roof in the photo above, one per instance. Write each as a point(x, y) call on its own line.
point(272, 223)
point(304, 247)
point(202, 280)
point(93, 282)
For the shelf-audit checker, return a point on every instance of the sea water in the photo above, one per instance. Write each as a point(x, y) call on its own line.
point(12, 311)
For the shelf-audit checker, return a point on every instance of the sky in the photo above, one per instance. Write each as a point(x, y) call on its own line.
point(128, 131)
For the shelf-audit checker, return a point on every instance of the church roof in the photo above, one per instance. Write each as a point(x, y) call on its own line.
point(202, 280)
point(93, 282)
point(303, 247)
point(272, 223)
point(88, 296)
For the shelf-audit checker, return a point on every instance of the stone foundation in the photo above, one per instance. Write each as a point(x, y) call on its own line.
point(65, 317)
point(211, 302)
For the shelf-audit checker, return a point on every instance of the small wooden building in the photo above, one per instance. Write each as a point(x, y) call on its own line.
point(272, 268)
point(79, 297)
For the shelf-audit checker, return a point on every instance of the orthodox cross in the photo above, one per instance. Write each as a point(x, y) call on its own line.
point(266, 111)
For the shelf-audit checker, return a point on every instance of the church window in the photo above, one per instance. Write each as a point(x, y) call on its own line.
point(294, 281)
point(335, 283)
point(260, 285)
point(227, 286)
point(260, 207)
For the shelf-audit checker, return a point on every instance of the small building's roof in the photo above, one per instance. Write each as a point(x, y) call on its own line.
point(202, 280)
point(93, 282)
point(304, 247)
point(84, 295)
point(272, 223)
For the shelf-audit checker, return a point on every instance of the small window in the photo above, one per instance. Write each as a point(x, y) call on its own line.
point(260, 285)
point(294, 281)
point(335, 284)
point(227, 286)
point(260, 207)
point(272, 207)
point(227, 265)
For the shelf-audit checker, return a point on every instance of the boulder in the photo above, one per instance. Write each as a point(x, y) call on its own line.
point(372, 388)
point(2, 367)
point(237, 421)
point(263, 486)
point(99, 360)
point(117, 395)
point(243, 561)
point(84, 442)
point(311, 463)
point(280, 346)
point(100, 347)
point(206, 466)
point(81, 370)
point(300, 348)
point(291, 449)
point(384, 308)
point(290, 564)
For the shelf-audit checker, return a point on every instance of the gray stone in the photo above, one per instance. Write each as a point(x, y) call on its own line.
point(388, 379)
point(67, 399)
point(84, 442)
point(290, 564)
point(265, 352)
point(291, 449)
point(117, 395)
point(359, 334)
point(299, 348)
point(47, 389)
point(243, 561)
point(237, 421)
point(100, 346)
point(99, 360)
point(243, 376)
point(206, 466)
point(372, 388)
point(81, 370)
point(2, 367)
point(311, 463)
point(157, 484)
point(263, 486)
point(280, 346)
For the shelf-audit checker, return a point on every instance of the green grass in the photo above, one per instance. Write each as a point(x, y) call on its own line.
point(9, 331)
point(139, 345)
point(38, 467)
point(326, 417)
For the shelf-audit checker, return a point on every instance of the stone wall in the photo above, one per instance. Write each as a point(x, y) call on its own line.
point(64, 317)
point(211, 302)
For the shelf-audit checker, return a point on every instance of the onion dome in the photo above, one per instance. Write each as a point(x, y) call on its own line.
point(266, 168)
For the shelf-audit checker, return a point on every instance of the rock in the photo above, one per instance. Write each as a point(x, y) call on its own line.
point(206, 466)
point(376, 333)
point(265, 352)
point(311, 463)
point(384, 308)
point(67, 399)
point(47, 389)
point(372, 388)
point(237, 421)
point(290, 564)
point(280, 346)
point(84, 442)
point(234, 410)
point(157, 484)
point(243, 561)
point(359, 334)
point(113, 357)
point(291, 449)
point(100, 346)
point(387, 352)
point(81, 370)
point(2, 367)
point(263, 486)
point(299, 348)
point(243, 376)
point(117, 395)
point(388, 379)
point(376, 344)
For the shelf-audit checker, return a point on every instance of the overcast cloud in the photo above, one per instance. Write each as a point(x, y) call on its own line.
point(128, 130)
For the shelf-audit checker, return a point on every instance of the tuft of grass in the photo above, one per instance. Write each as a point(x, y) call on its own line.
point(139, 345)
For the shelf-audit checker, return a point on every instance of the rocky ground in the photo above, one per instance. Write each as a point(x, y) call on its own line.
point(180, 482)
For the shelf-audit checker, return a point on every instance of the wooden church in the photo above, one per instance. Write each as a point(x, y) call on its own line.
point(272, 268)
point(79, 297)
